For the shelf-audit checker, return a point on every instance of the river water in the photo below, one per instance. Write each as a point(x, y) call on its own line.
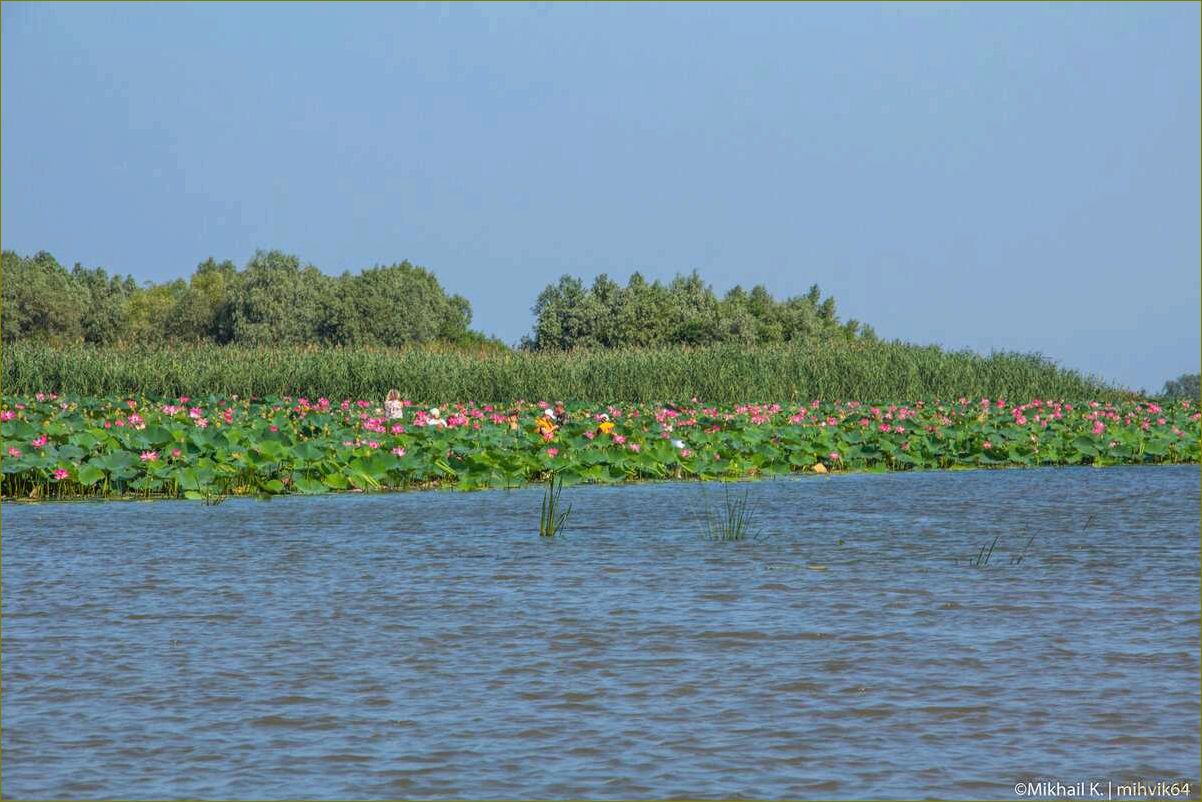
point(429, 645)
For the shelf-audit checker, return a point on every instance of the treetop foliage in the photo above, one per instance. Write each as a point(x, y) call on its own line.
point(275, 299)
point(1187, 385)
point(686, 311)
point(278, 300)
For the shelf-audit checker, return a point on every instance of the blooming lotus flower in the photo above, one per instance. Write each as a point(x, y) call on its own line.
point(551, 452)
point(38, 441)
point(149, 456)
point(61, 474)
point(398, 451)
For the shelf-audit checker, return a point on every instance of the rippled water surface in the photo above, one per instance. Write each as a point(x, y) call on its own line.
point(429, 645)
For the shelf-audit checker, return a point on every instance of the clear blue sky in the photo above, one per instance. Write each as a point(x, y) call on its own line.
point(997, 177)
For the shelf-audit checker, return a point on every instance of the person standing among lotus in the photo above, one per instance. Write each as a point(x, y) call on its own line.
point(393, 408)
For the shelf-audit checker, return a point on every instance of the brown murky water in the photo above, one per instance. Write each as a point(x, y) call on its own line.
point(429, 645)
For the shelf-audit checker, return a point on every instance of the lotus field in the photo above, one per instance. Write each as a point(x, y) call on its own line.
point(63, 448)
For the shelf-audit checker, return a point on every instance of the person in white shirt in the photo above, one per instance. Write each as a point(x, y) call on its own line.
point(393, 407)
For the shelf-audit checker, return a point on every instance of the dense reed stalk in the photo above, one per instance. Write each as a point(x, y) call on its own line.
point(876, 372)
point(733, 522)
point(553, 517)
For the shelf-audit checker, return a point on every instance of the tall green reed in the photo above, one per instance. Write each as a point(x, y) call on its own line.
point(553, 517)
point(870, 372)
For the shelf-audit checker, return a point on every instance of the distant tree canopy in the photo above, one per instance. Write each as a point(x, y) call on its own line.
point(276, 299)
point(273, 300)
point(1187, 385)
point(685, 311)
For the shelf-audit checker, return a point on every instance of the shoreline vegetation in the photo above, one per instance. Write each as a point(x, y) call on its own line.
point(721, 374)
point(268, 380)
point(122, 446)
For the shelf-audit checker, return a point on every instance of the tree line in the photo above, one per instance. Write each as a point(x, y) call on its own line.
point(277, 300)
point(1187, 385)
point(273, 300)
point(685, 311)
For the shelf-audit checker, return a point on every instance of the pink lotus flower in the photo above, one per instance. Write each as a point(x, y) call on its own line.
point(149, 456)
point(61, 474)
point(7, 414)
point(397, 428)
point(635, 447)
point(590, 434)
point(619, 439)
point(987, 445)
point(685, 452)
point(551, 452)
point(202, 423)
point(38, 441)
point(834, 455)
point(398, 451)
point(175, 452)
point(372, 444)
point(14, 451)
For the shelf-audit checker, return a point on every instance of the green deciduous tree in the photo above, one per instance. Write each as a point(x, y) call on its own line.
point(41, 301)
point(684, 312)
point(1187, 385)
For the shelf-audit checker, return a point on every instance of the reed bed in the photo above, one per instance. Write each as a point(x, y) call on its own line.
point(720, 374)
